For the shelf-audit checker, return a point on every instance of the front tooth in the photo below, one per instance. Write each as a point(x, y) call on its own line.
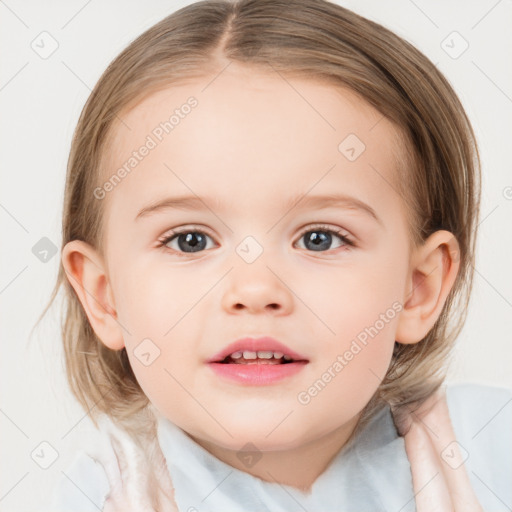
point(278, 355)
point(264, 354)
point(288, 358)
point(236, 355)
point(249, 355)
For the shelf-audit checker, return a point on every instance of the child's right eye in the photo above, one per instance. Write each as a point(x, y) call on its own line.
point(187, 240)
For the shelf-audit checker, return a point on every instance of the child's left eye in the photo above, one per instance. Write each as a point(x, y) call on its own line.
point(322, 236)
point(192, 240)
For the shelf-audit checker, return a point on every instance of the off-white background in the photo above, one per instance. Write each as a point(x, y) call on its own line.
point(40, 103)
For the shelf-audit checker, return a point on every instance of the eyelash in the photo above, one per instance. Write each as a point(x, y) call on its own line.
point(162, 242)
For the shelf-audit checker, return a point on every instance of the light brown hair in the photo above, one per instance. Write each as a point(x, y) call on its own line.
point(439, 175)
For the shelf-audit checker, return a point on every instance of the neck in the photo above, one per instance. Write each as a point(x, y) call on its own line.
point(298, 467)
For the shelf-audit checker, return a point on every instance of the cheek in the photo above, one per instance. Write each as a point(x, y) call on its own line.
point(350, 300)
point(359, 308)
point(351, 365)
point(158, 308)
point(154, 299)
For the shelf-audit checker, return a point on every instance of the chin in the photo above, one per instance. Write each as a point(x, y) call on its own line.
point(254, 435)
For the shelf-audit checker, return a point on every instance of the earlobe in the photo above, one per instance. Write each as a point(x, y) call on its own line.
point(434, 267)
point(86, 273)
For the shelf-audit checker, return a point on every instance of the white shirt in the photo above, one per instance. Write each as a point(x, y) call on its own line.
point(372, 474)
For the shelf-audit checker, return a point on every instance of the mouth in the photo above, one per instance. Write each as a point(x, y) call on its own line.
point(262, 351)
point(259, 357)
point(257, 362)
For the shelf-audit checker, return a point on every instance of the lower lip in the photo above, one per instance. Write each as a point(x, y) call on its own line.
point(255, 374)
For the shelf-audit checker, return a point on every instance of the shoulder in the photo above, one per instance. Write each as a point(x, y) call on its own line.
point(82, 487)
point(87, 482)
point(115, 472)
point(481, 416)
point(486, 408)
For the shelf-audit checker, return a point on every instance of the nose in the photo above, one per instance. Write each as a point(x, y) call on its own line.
point(257, 291)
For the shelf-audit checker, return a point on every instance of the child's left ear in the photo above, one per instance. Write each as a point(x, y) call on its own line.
point(434, 267)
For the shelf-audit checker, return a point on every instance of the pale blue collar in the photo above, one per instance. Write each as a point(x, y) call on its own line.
point(371, 473)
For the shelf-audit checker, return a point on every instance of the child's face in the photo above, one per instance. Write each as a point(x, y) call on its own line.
point(252, 146)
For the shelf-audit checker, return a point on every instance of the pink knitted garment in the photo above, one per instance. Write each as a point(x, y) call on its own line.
point(128, 470)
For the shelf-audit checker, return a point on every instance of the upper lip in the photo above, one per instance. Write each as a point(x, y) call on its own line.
point(265, 343)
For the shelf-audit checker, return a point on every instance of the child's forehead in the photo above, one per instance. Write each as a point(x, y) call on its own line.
point(249, 105)
point(230, 91)
point(252, 132)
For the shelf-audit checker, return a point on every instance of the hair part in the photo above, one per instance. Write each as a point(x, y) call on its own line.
point(438, 166)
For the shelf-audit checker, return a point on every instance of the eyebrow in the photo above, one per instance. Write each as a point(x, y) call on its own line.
point(301, 202)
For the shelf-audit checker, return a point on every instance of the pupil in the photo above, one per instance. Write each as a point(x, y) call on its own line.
point(194, 241)
point(320, 240)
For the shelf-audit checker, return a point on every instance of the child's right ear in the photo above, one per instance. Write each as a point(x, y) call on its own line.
point(86, 273)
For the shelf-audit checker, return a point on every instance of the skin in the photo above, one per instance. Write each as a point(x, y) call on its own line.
point(252, 144)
